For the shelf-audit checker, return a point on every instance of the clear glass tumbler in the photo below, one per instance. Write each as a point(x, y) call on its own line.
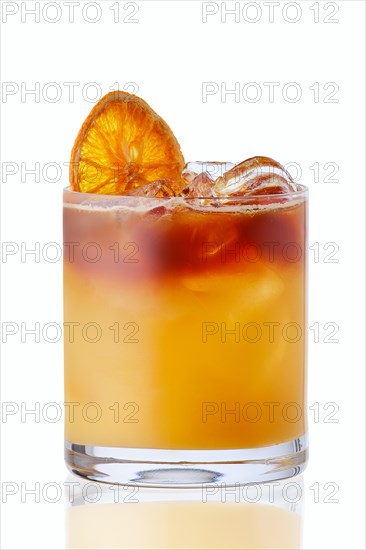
point(185, 338)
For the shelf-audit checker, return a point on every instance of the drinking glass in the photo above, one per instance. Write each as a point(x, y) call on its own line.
point(185, 338)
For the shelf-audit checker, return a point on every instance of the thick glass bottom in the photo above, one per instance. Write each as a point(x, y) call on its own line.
point(186, 468)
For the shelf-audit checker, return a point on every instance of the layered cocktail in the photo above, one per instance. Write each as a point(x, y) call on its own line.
point(185, 327)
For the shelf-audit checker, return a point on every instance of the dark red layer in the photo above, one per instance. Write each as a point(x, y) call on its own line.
point(130, 244)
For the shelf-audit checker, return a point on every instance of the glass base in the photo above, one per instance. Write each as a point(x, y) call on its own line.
point(187, 469)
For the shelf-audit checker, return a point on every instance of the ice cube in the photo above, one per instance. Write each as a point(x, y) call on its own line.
point(255, 176)
point(159, 188)
point(188, 175)
point(213, 169)
point(200, 187)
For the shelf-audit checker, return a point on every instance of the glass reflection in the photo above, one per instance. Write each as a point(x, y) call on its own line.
point(263, 516)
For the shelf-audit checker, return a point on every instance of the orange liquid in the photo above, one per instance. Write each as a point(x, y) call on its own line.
point(189, 327)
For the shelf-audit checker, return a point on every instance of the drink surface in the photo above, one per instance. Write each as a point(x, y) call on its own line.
point(184, 322)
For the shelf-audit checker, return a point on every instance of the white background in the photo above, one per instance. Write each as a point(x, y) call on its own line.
point(168, 55)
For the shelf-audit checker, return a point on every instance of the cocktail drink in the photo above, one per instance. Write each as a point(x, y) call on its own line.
point(185, 326)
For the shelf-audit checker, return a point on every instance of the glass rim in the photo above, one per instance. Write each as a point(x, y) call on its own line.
point(274, 198)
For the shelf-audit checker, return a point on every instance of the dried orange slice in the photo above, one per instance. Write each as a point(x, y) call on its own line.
point(122, 145)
